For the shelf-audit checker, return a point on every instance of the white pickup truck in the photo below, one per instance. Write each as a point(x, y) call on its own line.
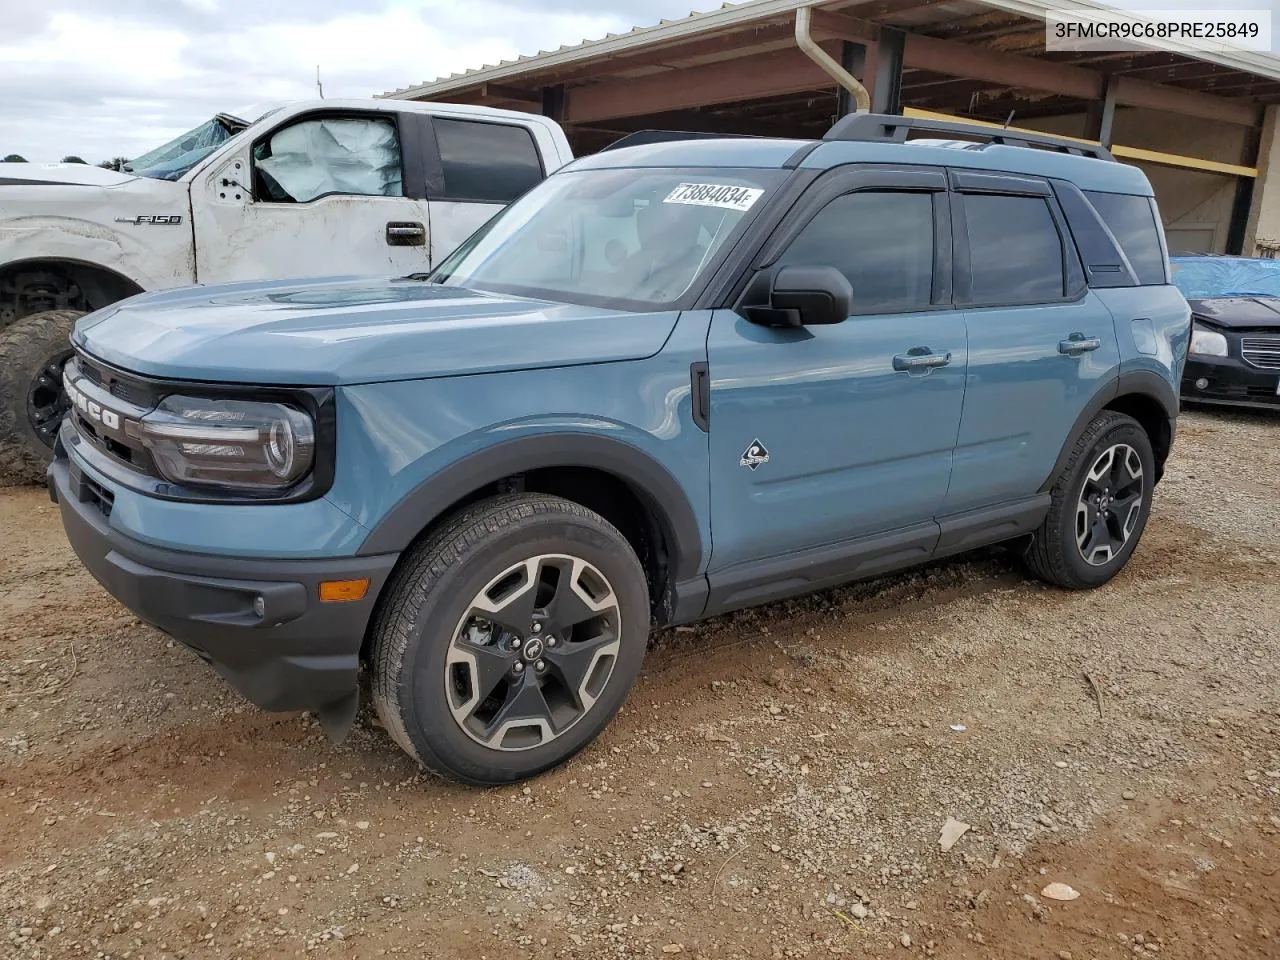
point(325, 187)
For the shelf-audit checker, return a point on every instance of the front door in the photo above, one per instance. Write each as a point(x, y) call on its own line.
point(831, 445)
point(1041, 343)
point(323, 195)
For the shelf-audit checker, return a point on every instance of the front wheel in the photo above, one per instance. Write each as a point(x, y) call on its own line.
point(509, 638)
point(1100, 505)
point(32, 400)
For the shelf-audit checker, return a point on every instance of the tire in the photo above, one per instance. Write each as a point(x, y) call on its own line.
point(32, 401)
point(463, 679)
point(1099, 507)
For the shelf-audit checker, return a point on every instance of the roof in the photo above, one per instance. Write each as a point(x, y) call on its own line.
point(770, 153)
point(740, 152)
point(927, 17)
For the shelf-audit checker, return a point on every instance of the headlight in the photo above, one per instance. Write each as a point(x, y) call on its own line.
point(1207, 343)
point(234, 444)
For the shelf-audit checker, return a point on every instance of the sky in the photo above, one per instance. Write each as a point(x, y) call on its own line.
point(106, 78)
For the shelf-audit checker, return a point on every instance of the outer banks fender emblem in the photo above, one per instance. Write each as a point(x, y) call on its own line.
point(754, 455)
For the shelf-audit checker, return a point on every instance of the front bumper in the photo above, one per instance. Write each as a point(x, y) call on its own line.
point(296, 654)
point(1230, 381)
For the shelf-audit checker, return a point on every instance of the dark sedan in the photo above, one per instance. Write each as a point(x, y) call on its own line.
point(1235, 339)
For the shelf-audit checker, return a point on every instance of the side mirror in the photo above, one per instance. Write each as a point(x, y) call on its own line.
point(802, 296)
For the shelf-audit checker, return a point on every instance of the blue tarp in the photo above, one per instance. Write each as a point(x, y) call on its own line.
point(1200, 278)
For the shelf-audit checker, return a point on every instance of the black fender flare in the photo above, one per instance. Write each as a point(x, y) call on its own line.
point(1144, 383)
point(653, 484)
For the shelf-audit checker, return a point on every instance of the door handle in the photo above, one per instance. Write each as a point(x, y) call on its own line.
point(1077, 344)
point(406, 233)
point(920, 358)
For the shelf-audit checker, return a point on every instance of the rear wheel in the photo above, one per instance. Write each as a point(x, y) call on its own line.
point(32, 400)
point(509, 639)
point(1100, 505)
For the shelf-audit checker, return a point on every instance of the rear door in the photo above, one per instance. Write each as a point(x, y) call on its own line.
point(827, 437)
point(1041, 343)
point(484, 165)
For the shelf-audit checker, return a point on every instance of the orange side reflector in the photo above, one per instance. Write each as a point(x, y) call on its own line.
point(343, 591)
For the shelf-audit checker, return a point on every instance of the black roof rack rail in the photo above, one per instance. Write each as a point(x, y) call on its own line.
point(642, 137)
point(886, 128)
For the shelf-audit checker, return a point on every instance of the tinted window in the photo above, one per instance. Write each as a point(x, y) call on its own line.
point(889, 269)
point(1015, 252)
point(316, 158)
point(489, 162)
point(1133, 223)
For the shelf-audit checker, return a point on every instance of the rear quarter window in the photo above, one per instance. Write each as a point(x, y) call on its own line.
point(1132, 220)
point(486, 162)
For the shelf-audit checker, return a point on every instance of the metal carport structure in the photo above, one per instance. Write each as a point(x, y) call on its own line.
point(1201, 122)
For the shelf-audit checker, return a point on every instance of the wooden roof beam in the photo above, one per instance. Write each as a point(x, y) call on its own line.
point(1156, 96)
point(1006, 69)
point(747, 78)
point(790, 71)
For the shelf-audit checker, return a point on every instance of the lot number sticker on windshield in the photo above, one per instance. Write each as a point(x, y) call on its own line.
point(725, 196)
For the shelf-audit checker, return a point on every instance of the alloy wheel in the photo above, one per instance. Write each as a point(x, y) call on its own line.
point(1110, 504)
point(47, 400)
point(533, 652)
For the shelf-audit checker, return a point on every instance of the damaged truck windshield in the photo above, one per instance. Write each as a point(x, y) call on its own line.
point(179, 155)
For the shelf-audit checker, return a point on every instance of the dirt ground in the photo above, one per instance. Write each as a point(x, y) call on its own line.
point(776, 786)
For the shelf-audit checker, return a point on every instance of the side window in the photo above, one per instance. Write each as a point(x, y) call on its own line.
point(330, 155)
point(486, 162)
point(1015, 250)
point(889, 270)
point(1133, 223)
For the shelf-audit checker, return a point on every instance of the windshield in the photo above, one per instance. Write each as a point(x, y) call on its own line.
point(182, 153)
point(1203, 278)
point(634, 239)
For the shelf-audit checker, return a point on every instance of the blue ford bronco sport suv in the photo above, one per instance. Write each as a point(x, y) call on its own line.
point(679, 377)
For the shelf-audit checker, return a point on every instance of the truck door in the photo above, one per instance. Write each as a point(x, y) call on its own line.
point(325, 193)
point(831, 446)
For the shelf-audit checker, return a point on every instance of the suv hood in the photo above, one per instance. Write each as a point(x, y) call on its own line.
point(72, 174)
point(1239, 312)
point(345, 331)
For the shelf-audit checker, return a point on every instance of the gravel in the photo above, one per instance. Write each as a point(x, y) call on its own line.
point(775, 787)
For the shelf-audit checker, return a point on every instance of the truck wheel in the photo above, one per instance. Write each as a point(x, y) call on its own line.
point(32, 401)
point(1101, 502)
point(509, 638)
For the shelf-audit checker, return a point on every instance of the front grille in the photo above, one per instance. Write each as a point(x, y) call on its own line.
point(107, 444)
point(1262, 352)
point(136, 398)
point(118, 385)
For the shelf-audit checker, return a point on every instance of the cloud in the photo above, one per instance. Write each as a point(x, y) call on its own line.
point(100, 80)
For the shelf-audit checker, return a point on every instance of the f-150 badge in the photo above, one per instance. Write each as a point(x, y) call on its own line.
point(159, 219)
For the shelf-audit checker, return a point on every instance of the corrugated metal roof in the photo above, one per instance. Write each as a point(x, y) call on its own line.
point(731, 15)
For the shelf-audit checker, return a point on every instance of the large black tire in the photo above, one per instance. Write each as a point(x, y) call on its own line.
point(1057, 554)
point(434, 656)
point(32, 401)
